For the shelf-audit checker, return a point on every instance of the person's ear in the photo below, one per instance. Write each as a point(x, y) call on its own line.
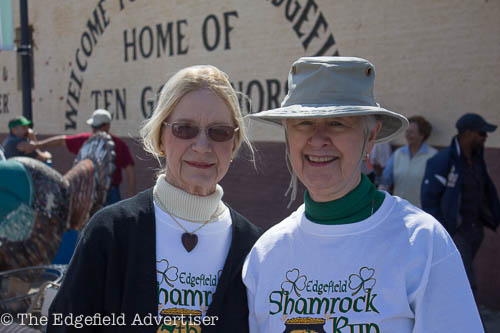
point(373, 135)
point(162, 148)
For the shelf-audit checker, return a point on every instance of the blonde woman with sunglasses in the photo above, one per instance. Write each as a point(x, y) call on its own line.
point(174, 252)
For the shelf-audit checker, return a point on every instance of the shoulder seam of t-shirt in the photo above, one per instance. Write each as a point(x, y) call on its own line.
point(421, 287)
point(445, 258)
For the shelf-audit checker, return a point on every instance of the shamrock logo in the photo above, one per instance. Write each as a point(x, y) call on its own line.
point(363, 281)
point(294, 281)
point(165, 272)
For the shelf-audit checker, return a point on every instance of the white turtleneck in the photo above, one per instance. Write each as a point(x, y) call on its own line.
point(187, 280)
point(187, 206)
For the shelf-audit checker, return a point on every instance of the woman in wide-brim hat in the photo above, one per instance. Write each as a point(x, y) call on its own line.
point(351, 254)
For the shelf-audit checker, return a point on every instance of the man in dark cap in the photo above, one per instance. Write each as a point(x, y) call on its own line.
point(20, 133)
point(458, 191)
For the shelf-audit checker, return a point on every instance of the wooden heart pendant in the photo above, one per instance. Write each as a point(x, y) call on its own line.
point(189, 241)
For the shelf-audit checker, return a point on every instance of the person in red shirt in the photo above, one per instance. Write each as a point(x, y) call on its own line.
point(100, 121)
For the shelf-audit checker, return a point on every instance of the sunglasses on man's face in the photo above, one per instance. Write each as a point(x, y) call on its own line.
point(187, 131)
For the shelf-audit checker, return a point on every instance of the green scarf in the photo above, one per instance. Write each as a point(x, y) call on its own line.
point(356, 206)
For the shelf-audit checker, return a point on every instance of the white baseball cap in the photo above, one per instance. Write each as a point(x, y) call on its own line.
point(99, 118)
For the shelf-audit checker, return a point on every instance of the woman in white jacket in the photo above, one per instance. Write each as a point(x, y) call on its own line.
point(406, 167)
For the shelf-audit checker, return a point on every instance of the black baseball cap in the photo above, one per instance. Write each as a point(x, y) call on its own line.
point(474, 122)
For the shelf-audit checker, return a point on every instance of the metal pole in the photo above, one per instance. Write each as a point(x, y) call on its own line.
point(25, 53)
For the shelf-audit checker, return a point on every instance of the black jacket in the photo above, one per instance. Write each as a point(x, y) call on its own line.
point(113, 271)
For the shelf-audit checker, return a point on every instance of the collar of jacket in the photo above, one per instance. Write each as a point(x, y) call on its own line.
point(456, 146)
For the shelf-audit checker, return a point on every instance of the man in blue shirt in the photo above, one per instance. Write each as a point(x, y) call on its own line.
point(20, 133)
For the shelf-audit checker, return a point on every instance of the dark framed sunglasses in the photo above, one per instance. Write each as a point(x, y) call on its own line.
point(187, 131)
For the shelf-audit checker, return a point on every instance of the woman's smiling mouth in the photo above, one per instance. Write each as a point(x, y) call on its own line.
point(320, 159)
point(200, 165)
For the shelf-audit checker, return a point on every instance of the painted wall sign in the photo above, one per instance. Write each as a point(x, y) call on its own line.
point(162, 38)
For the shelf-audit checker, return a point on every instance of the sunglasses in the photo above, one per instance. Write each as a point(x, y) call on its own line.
point(187, 131)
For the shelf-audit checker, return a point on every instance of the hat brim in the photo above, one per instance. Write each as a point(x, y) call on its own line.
point(489, 127)
point(392, 123)
point(93, 123)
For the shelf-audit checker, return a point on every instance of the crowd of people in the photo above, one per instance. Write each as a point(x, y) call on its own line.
point(22, 142)
point(99, 122)
point(383, 240)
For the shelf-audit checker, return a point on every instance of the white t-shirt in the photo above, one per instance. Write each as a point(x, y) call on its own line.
point(396, 271)
point(187, 280)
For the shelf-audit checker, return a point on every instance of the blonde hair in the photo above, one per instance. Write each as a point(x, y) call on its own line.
point(181, 83)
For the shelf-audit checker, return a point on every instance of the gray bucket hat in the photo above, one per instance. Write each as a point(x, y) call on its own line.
point(325, 87)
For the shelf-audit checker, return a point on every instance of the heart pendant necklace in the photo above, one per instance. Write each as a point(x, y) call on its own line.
point(189, 238)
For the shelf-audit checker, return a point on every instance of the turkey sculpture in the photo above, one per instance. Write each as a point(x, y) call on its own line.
point(39, 204)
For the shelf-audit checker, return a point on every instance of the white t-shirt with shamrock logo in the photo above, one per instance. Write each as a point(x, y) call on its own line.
point(396, 271)
point(187, 280)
